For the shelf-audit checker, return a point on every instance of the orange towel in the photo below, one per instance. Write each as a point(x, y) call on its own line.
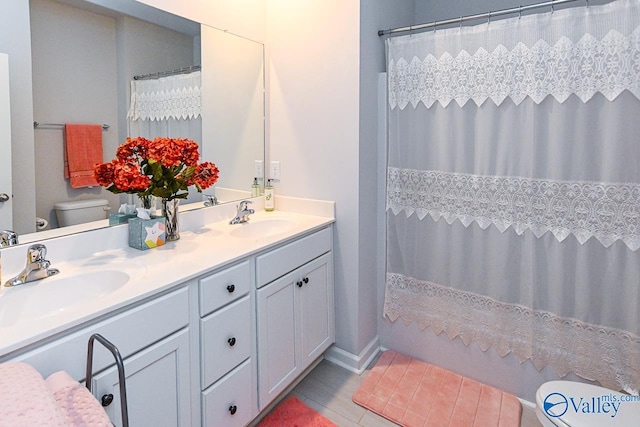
point(83, 149)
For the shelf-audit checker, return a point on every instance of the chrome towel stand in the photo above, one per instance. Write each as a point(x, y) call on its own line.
point(108, 398)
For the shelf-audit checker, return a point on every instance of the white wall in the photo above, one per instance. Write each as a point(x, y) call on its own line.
point(242, 17)
point(314, 65)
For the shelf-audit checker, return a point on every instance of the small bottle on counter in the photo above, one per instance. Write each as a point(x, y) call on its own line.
point(255, 188)
point(269, 197)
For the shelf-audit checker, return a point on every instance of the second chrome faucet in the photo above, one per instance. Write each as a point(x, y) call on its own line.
point(243, 213)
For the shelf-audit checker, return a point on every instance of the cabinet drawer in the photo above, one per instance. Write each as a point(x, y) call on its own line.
point(225, 340)
point(228, 402)
point(224, 287)
point(279, 262)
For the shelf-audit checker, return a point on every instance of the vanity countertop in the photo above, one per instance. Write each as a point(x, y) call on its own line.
point(104, 278)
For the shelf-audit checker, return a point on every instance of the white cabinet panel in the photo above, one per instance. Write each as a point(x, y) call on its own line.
point(224, 287)
point(282, 260)
point(295, 325)
point(157, 384)
point(316, 309)
point(227, 403)
point(225, 340)
point(278, 364)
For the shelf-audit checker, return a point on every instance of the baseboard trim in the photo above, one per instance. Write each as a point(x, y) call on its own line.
point(351, 362)
point(527, 403)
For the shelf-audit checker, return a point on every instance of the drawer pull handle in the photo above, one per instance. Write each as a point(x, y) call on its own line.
point(231, 341)
point(305, 280)
point(299, 284)
point(107, 399)
point(233, 409)
point(231, 288)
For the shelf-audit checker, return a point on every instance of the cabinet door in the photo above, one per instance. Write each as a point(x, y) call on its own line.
point(157, 380)
point(317, 331)
point(277, 320)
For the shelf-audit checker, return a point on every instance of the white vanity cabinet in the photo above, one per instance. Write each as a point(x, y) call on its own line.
point(153, 339)
point(227, 371)
point(210, 345)
point(295, 312)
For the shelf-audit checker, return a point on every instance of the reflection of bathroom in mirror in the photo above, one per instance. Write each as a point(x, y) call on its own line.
point(84, 58)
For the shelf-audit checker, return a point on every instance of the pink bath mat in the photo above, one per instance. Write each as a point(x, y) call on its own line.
point(293, 413)
point(414, 393)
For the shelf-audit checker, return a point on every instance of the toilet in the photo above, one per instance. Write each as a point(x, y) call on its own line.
point(574, 404)
point(80, 211)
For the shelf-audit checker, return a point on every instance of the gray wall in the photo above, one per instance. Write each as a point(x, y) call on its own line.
point(15, 40)
point(82, 65)
point(74, 81)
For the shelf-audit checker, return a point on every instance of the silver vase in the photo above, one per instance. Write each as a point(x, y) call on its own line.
point(172, 224)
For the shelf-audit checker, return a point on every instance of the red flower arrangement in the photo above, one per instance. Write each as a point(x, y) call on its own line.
point(164, 167)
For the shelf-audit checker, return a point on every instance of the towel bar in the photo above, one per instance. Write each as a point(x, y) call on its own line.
point(59, 125)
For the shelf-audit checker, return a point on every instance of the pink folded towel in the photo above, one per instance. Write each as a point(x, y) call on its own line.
point(78, 405)
point(30, 401)
point(83, 149)
point(25, 399)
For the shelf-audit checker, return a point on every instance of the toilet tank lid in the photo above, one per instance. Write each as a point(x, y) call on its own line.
point(80, 204)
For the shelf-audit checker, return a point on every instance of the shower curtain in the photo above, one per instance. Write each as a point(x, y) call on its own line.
point(513, 188)
point(169, 106)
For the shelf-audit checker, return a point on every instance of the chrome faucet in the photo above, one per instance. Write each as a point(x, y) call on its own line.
point(8, 238)
point(37, 267)
point(210, 200)
point(243, 213)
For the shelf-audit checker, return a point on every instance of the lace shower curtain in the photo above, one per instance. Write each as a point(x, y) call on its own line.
point(168, 106)
point(513, 188)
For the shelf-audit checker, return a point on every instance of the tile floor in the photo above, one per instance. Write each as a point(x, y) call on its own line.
point(328, 389)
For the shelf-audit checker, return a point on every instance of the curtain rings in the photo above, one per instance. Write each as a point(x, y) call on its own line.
point(460, 22)
point(489, 18)
point(435, 23)
point(520, 12)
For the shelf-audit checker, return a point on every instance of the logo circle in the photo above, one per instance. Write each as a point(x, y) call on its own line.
point(557, 402)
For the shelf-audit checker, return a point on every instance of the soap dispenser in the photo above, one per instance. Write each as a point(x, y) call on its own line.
point(269, 197)
point(255, 188)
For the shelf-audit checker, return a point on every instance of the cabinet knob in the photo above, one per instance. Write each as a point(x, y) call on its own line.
point(233, 409)
point(305, 280)
point(106, 399)
point(299, 284)
point(231, 341)
point(231, 288)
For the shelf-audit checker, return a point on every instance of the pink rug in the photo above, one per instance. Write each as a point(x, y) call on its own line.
point(293, 413)
point(414, 393)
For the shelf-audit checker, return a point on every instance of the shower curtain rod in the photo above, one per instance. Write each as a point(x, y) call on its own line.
point(183, 70)
point(486, 15)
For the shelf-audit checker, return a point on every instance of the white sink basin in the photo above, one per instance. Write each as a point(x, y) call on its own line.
point(258, 228)
point(53, 295)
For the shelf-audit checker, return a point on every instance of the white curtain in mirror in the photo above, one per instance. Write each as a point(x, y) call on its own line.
point(514, 212)
point(169, 106)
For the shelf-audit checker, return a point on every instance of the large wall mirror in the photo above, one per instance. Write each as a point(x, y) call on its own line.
point(85, 55)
